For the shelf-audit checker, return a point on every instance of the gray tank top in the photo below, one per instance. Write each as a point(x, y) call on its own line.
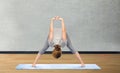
point(57, 38)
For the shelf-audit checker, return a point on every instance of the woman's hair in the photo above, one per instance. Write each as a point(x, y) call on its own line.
point(57, 51)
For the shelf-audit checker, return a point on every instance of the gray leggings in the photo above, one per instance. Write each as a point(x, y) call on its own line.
point(69, 45)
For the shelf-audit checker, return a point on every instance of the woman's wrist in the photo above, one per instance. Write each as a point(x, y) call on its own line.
point(57, 18)
point(52, 19)
point(61, 19)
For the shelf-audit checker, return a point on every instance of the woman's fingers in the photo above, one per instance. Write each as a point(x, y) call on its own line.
point(61, 19)
point(57, 18)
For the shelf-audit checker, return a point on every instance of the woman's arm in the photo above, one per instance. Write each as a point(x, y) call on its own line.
point(63, 29)
point(51, 29)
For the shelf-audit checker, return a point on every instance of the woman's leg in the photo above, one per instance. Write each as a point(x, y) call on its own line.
point(46, 46)
point(36, 59)
point(63, 30)
point(69, 45)
point(80, 59)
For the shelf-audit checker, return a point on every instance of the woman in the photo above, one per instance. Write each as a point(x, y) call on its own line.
point(57, 38)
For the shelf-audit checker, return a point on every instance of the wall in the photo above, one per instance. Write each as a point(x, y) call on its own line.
point(93, 25)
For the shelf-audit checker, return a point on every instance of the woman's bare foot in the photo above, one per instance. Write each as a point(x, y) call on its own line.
point(33, 65)
point(82, 65)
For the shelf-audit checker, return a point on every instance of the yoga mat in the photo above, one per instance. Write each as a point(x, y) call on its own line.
point(56, 66)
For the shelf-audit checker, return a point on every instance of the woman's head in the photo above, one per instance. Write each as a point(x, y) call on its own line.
point(57, 51)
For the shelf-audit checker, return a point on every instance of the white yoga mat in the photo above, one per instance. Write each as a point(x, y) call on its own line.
point(57, 66)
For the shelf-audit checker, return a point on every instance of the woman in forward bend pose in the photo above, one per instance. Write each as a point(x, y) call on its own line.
point(57, 38)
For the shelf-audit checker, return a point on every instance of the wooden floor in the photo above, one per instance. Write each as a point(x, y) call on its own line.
point(110, 63)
